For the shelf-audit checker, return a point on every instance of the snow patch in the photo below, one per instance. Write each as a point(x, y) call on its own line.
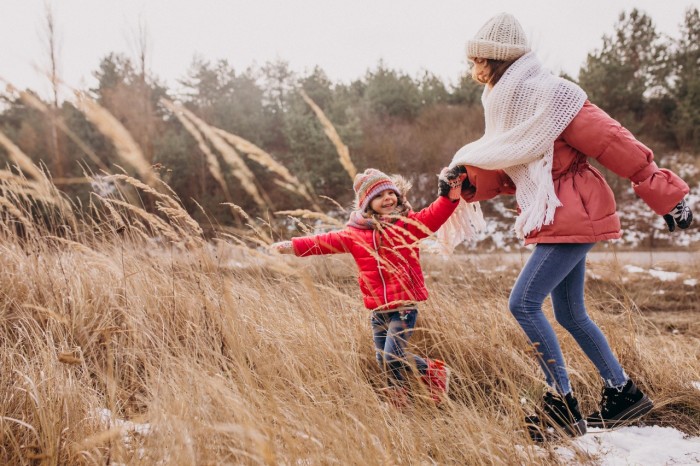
point(649, 446)
point(664, 276)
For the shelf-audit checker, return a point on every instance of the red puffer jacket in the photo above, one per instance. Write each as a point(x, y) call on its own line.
point(588, 213)
point(389, 260)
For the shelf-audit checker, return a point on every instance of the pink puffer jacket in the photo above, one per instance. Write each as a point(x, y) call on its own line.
point(388, 261)
point(588, 213)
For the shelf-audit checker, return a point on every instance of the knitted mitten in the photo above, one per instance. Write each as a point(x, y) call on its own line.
point(680, 215)
point(450, 183)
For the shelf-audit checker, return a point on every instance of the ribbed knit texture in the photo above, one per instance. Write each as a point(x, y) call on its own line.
point(369, 184)
point(501, 38)
point(525, 113)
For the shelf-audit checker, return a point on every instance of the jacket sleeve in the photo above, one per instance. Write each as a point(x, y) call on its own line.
point(326, 243)
point(487, 184)
point(595, 134)
point(428, 220)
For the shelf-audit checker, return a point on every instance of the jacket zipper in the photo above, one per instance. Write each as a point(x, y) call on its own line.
point(379, 266)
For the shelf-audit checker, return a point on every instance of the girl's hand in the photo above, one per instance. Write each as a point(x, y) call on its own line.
point(282, 247)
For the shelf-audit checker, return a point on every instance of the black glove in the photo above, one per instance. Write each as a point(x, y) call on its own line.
point(680, 215)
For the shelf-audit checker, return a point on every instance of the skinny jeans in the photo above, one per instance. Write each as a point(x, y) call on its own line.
point(391, 331)
point(559, 270)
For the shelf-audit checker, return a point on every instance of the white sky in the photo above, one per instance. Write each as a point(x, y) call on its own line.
point(344, 38)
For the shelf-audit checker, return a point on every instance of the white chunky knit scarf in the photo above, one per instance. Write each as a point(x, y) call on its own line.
point(525, 112)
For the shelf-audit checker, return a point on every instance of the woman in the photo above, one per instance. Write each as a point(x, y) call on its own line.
point(540, 132)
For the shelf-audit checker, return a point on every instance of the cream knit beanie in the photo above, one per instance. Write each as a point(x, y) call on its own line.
point(501, 38)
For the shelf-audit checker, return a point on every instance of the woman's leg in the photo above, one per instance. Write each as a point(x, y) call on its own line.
point(570, 312)
point(400, 329)
point(548, 265)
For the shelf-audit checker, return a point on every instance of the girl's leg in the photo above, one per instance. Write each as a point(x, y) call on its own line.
point(400, 329)
point(548, 265)
point(570, 312)
point(379, 329)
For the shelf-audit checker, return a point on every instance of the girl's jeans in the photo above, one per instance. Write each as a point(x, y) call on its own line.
point(559, 270)
point(391, 332)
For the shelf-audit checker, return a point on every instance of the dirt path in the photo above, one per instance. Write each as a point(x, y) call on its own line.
point(642, 259)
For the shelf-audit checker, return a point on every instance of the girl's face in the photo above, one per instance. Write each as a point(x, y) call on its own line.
point(480, 70)
point(385, 202)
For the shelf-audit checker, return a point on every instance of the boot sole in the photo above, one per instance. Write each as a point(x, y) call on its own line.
point(637, 410)
point(540, 433)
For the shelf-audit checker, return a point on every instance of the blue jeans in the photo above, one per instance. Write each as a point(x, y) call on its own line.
point(391, 331)
point(559, 270)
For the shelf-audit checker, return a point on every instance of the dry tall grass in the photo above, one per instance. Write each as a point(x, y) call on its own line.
point(32, 101)
point(128, 348)
point(332, 134)
point(238, 168)
point(123, 142)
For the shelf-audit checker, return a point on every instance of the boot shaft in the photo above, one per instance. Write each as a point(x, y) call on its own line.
point(563, 411)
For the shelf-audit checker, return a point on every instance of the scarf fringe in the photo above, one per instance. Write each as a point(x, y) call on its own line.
point(465, 222)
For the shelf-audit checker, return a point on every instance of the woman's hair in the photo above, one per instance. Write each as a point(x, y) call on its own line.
point(497, 69)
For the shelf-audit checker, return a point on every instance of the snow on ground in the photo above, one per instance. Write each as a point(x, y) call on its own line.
point(664, 276)
point(627, 446)
point(633, 269)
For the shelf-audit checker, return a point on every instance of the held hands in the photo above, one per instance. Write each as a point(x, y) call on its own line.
point(282, 247)
point(680, 215)
point(450, 182)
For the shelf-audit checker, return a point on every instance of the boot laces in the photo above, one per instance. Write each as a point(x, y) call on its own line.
point(611, 398)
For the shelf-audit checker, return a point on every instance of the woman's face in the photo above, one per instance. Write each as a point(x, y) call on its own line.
point(480, 70)
point(385, 202)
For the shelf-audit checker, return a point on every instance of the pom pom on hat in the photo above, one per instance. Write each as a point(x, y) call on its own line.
point(369, 184)
point(501, 38)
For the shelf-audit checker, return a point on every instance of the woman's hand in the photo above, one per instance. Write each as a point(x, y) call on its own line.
point(680, 215)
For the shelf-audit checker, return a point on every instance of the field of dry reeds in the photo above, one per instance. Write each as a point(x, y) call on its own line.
point(127, 337)
point(131, 340)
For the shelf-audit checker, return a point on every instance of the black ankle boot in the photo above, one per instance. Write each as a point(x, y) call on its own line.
point(620, 406)
point(557, 415)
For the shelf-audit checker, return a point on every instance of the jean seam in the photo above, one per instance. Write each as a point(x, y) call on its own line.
point(556, 373)
point(580, 327)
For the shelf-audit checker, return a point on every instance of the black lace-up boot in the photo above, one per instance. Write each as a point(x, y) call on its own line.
point(619, 406)
point(557, 415)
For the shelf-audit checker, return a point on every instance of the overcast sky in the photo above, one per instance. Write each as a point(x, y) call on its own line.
point(345, 38)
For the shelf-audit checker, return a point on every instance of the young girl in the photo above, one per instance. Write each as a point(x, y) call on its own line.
point(540, 132)
point(382, 235)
